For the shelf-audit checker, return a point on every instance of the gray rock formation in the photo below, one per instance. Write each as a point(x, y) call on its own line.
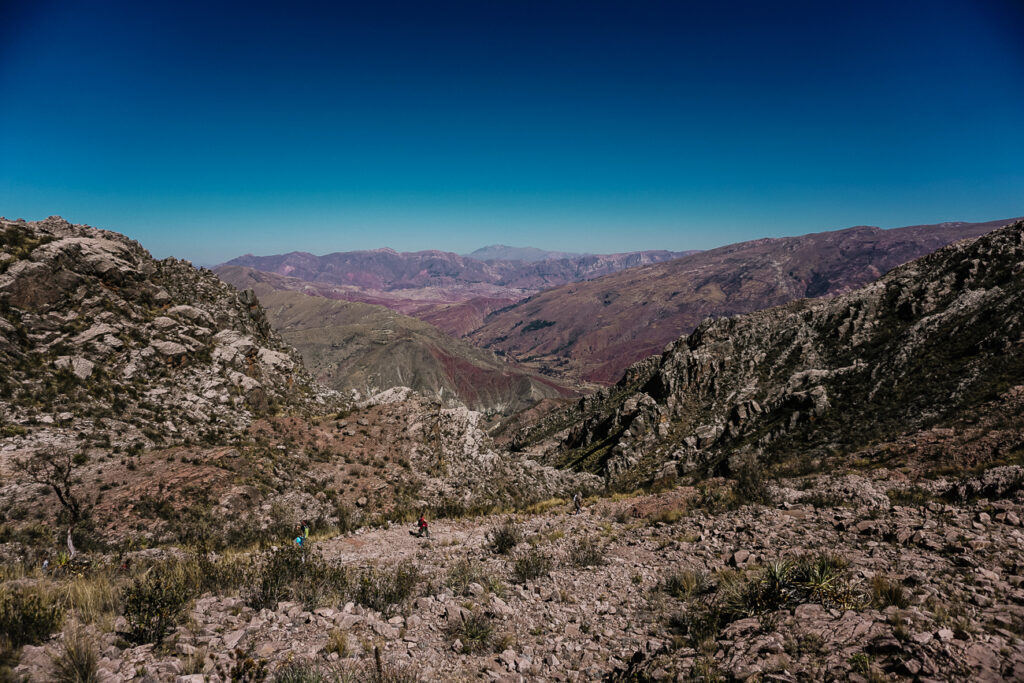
point(814, 377)
point(145, 350)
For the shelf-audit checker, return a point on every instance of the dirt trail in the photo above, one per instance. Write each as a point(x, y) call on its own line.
point(396, 544)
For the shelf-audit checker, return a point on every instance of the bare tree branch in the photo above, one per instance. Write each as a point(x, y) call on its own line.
point(55, 469)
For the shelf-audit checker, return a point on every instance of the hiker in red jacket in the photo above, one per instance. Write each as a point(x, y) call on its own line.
point(423, 526)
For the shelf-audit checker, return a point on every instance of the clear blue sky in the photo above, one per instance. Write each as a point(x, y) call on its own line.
point(207, 130)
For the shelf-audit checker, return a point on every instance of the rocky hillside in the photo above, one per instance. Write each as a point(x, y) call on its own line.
point(814, 379)
point(594, 330)
point(97, 336)
point(177, 411)
point(648, 588)
point(367, 349)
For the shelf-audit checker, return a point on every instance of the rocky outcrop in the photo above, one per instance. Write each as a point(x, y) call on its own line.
point(812, 378)
point(92, 327)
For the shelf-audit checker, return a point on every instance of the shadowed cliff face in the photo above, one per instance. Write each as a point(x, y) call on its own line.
point(814, 377)
point(594, 330)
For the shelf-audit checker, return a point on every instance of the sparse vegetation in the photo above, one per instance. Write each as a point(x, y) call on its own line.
point(530, 564)
point(77, 661)
point(502, 539)
point(910, 496)
point(385, 590)
point(156, 602)
point(28, 616)
point(751, 485)
point(686, 584)
point(886, 593)
point(585, 552)
point(475, 631)
point(465, 572)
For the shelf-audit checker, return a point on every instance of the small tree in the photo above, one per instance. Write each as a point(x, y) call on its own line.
point(54, 468)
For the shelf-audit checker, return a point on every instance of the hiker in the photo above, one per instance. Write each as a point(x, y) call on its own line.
point(299, 540)
point(424, 529)
point(305, 529)
point(577, 504)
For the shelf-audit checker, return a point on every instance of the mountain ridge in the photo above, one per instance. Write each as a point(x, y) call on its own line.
point(593, 330)
point(503, 252)
point(931, 338)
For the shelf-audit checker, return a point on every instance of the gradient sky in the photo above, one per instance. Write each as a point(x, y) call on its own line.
point(207, 130)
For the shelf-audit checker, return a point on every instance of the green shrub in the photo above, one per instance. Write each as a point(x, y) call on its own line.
point(305, 671)
point(821, 499)
point(337, 643)
point(386, 590)
point(715, 499)
point(669, 515)
point(377, 671)
point(219, 575)
point(885, 593)
point(686, 584)
point(913, 496)
point(273, 577)
point(530, 564)
point(462, 574)
point(536, 324)
point(585, 552)
point(504, 538)
point(91, 596)
point(751, 485)
point(293, 573)
point(27, 617)
point(475, 631)
point(77, 661)
point(155, 603)
point(699, 624)
point(244, 667)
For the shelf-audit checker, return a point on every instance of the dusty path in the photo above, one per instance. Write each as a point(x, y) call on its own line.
point(391, 546)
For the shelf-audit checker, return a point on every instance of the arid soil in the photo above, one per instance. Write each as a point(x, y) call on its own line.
point(927, 590)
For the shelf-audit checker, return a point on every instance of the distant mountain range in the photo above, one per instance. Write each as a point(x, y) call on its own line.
point(435, 285)
point(594, 330)
point(606, 313)
point(500, 252)
point(357, 346)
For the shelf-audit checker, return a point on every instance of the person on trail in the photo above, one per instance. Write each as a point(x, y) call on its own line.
point(299, 540)
point(577, 504)
point(305, 529)
point(424, 529)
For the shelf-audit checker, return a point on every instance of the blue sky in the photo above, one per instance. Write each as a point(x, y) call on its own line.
point(207, 130)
